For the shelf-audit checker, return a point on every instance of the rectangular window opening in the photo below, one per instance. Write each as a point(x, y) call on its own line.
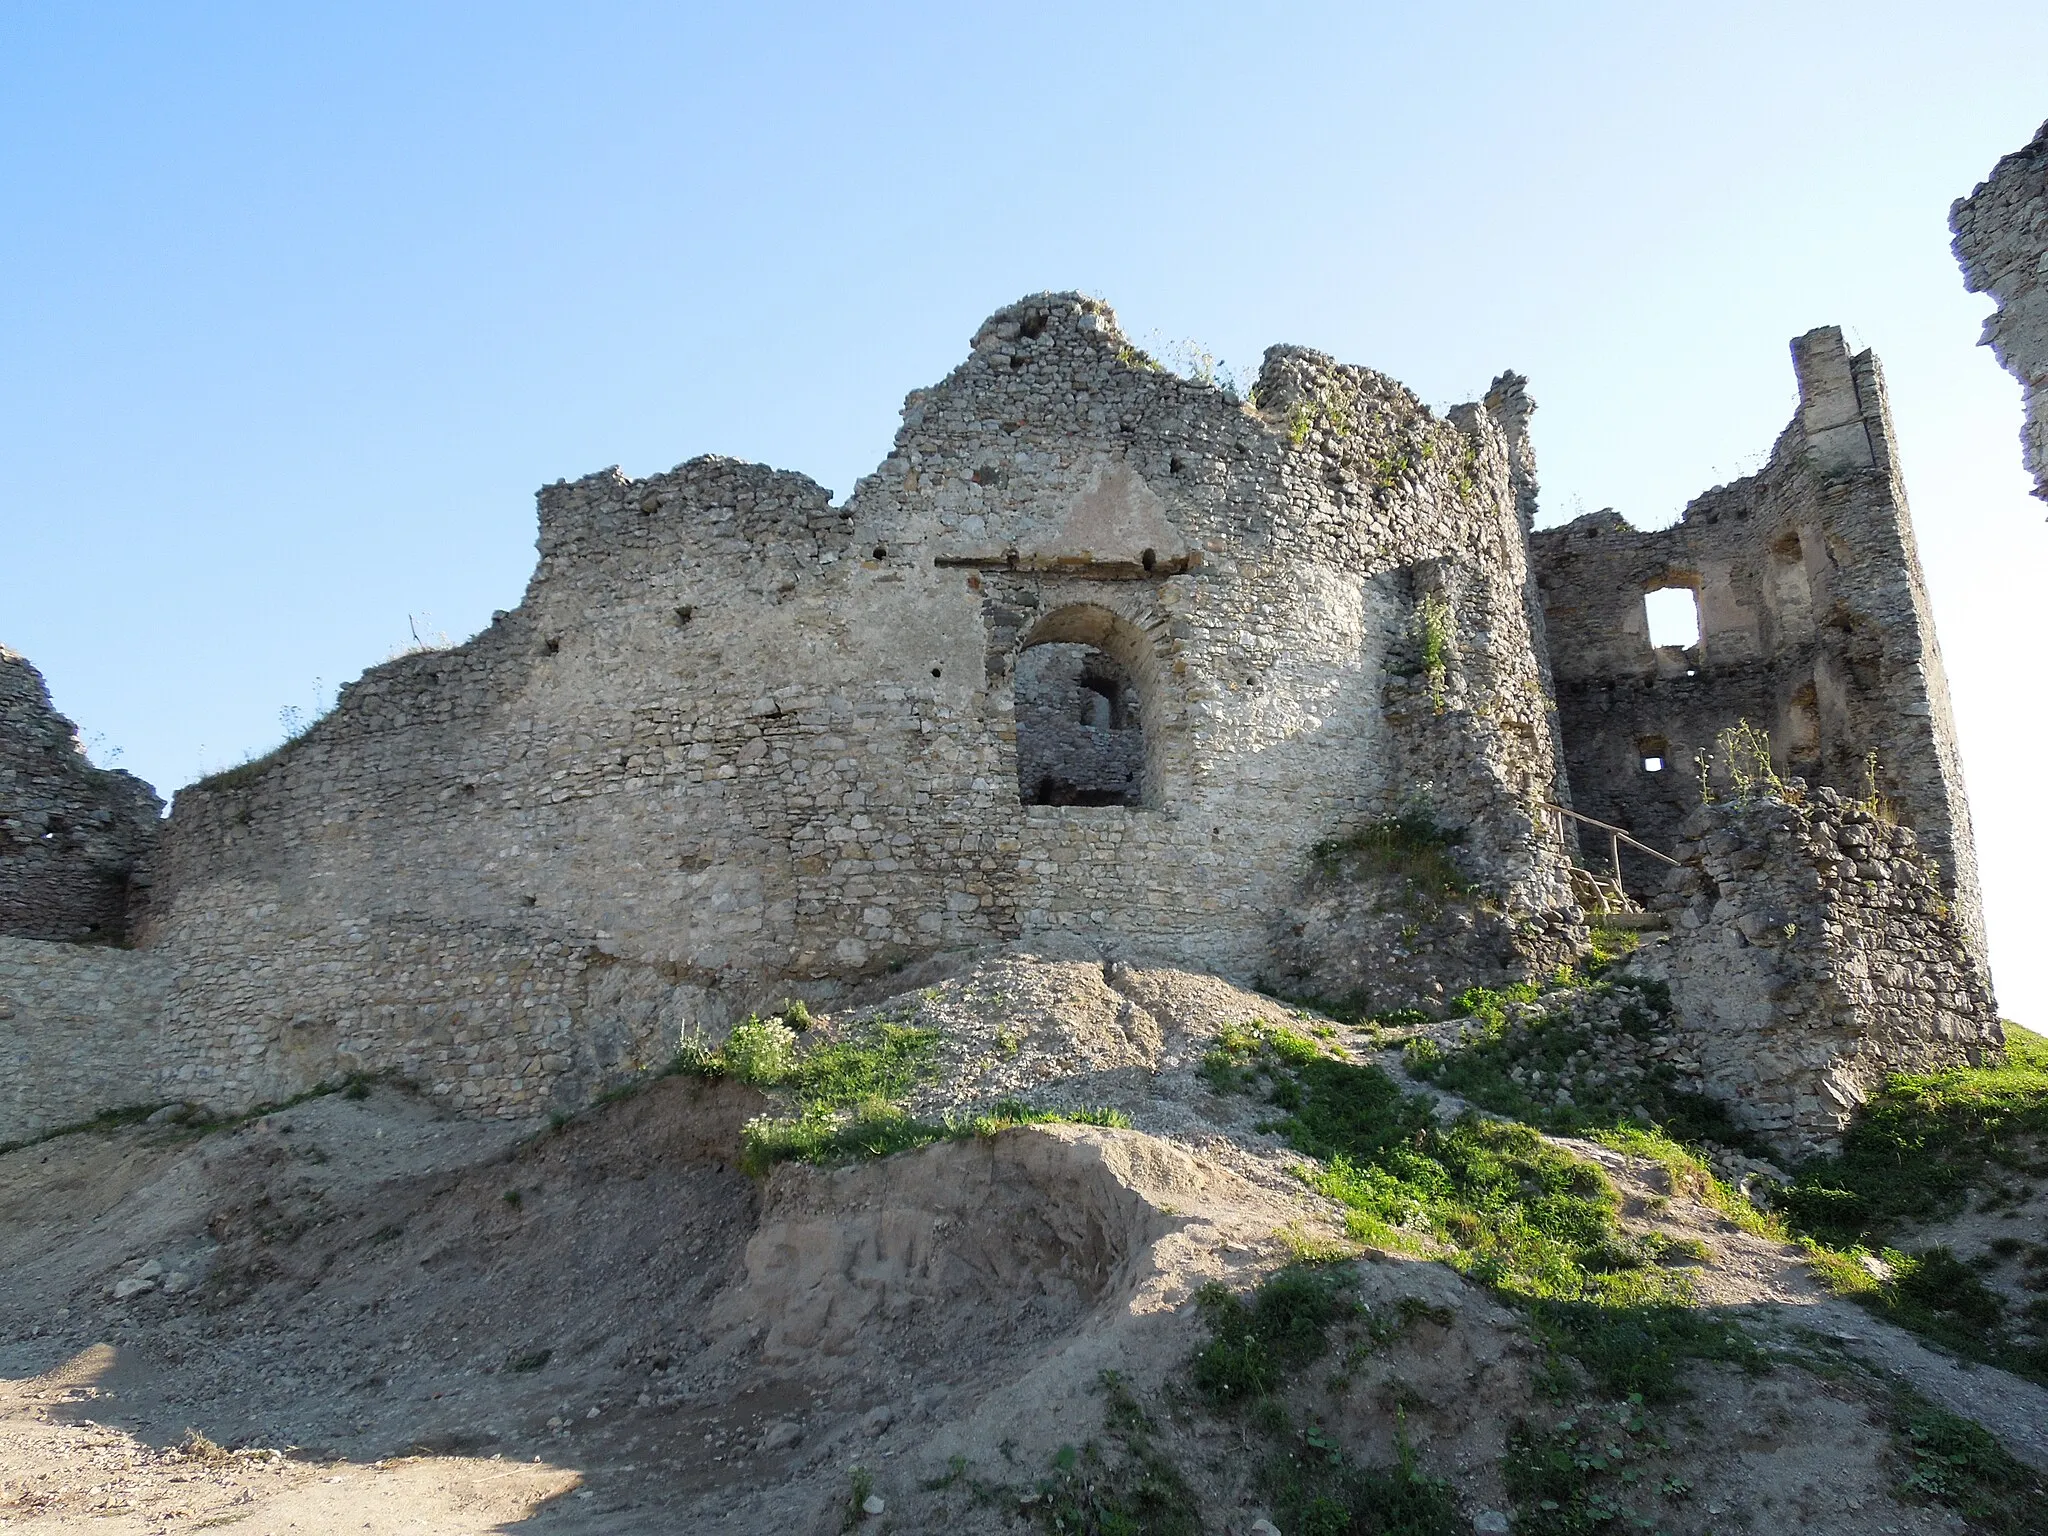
point(1674, 615)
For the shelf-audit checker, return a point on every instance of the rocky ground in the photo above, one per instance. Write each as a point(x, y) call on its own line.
point(358, 1314)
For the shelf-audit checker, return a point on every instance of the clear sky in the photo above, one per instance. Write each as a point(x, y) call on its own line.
point(299, 304)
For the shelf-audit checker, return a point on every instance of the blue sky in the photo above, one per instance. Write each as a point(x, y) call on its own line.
point(298, 305)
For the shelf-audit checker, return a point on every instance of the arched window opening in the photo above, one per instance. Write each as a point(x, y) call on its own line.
point(1079, 739)
point(1079, 690)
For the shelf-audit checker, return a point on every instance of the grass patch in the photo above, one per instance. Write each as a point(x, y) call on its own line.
point(1135, 1488)
point(105, 1120)
point(1593, 1470)
point(1953, 1462)
point(1576, 1057)
point(1916, 1154)
point(1922, 1144)
point(1260, 1346)
point(840, 1100)
point(1495, 1201)
point(1410, 848)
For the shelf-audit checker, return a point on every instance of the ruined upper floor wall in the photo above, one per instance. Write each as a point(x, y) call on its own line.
point(75, 840)
point(737, 742)
point(2001, 241)
point(1814, 626)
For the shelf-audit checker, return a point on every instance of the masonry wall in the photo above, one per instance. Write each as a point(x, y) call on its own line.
point(1813, 953)
point(77, 1033)
point(75, 840)
point(1814, 626)
point(2001, 240)
point(738, 743)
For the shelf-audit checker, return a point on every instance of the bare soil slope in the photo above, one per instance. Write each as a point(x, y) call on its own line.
point(359, 1314)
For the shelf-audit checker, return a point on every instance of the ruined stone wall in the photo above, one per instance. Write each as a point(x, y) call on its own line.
point(2001, 240)
point(1813, 953)
point(77, 1033)
point(738, 743)
point(75, 840)
point(1814, 626)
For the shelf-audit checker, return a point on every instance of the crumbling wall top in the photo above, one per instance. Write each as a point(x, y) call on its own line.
point(2001, 242)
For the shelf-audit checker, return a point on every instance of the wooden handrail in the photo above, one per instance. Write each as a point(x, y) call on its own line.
point(1615, 838)
point(1608, 826)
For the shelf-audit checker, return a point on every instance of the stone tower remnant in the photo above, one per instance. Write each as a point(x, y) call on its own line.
point(75, 840)
point(2001, 240)
point(1814, 626)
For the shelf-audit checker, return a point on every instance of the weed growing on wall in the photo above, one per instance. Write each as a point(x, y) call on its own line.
point(1409, 848)
point(1433, 625)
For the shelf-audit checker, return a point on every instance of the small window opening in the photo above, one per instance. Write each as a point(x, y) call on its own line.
point(1149, 559)
point(1655, 752)
point(1674, 614)
point(1653, 764)
point(1079, 737)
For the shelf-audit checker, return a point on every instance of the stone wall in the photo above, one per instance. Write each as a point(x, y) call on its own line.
point(1812, 953)
point(1814, 627)
point(77, 1033)
point(75, 840)
point(738, 743)
point(2001, 240)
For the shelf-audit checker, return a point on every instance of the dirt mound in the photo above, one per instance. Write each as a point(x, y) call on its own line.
point(608, 1326)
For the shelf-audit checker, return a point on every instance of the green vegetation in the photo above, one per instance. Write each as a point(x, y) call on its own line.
point(1138, 1493)
point(1921, 1151)
point(1574, 1058)
point(1492, 1199)
point(841, 1100)
point(1256, 1349)
point(1433, 621)
point(1587, 1470)
point(1954, 1462)
point(1925, 1142)
point(1409, 847)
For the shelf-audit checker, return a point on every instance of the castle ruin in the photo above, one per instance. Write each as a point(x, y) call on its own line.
point(1101, 660)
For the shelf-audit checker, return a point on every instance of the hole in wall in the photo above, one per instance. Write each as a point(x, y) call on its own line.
point(1173, 464)
point(935, 671)
point(553, 645)
point(1031, 327)
point(1674, 615)
point(1149, 559)
point(1655, 752)
point(684, 614)
point(881, 553)
point(1080, 731)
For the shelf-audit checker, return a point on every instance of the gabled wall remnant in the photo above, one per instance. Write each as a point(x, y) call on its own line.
point(2001, 240)
point(75, 840)
point(1812, 954)
point(1814, 626)
point(738, 743)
